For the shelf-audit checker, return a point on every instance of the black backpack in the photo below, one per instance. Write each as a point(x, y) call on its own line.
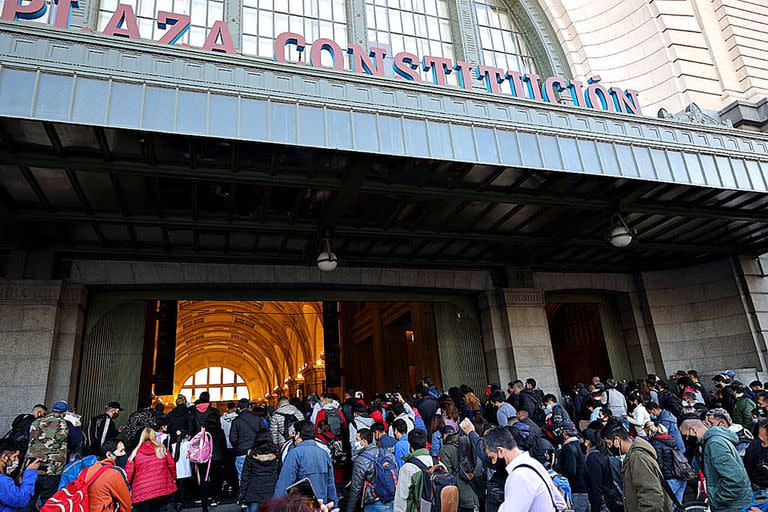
point(19, 431)
point(537, 414)
point(288, 421)
point(435, 480)
point(333, 417)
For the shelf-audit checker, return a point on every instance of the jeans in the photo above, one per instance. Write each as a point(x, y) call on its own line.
point(581, 502)
point(378, 506)
point(239, 461)
point(678, 488)
point(159, 504)
point(253, 507)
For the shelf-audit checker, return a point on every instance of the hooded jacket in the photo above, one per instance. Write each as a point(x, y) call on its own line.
point(357, 423)
point(742, 412)
point(727, 481)
point(276, 424)
point(308, 460)
point(226, 421)
point(243, 431)
point(150, 476)
point(363, 471)
point(664, 444)
point(260, 473)
point(643, 491)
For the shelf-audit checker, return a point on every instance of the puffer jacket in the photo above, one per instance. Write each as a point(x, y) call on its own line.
point(728, 484)
point(363, 471)
point(642, 487)
point(358, 423)
point(150, 476)
point(664, 444)
point(276, 424)
point(260, 472)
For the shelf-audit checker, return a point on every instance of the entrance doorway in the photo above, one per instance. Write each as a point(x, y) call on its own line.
point(146, 352)
point(578, 342)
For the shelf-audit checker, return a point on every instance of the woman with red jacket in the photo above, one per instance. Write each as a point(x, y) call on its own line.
point(151, 473)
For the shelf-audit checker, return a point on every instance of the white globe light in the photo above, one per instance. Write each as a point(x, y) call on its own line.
point(327, 261)
point(621, 236)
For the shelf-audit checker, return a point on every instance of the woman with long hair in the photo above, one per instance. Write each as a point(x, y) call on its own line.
point(472, 408)
point(151, 473)
point(603, 490)
point(436, 429)
point(449, 412)
point(260, 472)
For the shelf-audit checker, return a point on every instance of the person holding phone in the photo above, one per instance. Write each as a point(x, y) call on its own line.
point(14, 496)
point(307, 460)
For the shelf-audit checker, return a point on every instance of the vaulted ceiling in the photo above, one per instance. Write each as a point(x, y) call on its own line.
point(265, 342)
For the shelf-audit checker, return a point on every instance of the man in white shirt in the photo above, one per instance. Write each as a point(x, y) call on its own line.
point(528, 488)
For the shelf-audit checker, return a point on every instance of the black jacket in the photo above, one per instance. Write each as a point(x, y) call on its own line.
point(179, 419)
point(242, 434)
point(756, 462)
point(427, 407)
point(495, 483)
point(664, 444)
point(599, 479)
point(533, 400)
point(363, 471)
point(96, 428)
point(570, 462)
point(260, 473)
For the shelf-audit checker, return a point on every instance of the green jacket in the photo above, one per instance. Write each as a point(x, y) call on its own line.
point(727, 481)
point(742, 412)
point(413, 503)
point(643, 491)
point(449, 455)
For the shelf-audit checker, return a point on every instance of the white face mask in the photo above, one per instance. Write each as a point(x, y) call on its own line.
point(11, 465)
point(359, 445)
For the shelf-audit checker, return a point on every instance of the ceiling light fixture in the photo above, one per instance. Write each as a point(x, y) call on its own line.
point(327, 260)
point(621, 234)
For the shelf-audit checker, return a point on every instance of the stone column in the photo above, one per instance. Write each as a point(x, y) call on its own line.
point(516, 337)
point(531, 346)
point(28, 330)
point(65, 357)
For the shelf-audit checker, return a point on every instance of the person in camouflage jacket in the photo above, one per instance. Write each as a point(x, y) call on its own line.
point(50, 439)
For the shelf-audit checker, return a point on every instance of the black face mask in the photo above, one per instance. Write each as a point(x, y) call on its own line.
point(691, 443)
point(500, 465)
point(615, 450)
point(121, 460)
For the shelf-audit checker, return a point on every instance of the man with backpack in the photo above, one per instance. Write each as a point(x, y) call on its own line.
point(331, 414)
point(374, 476)
point(281, 425)
point(50, 439)
point(359, 421)
point(410, 473)
point(109, 490)
point(307, 460)
point(19, 432)
point(533, 399)
point(242, 433)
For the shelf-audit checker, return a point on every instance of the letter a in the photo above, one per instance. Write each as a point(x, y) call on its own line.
point(123, 23)
point(219, 30)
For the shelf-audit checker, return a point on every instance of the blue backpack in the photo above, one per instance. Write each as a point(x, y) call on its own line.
point(386, 476)
point(73, 469)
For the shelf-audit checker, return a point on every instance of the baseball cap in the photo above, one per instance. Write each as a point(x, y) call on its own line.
point(730, 373)
point(60, 406)
point(114, 405)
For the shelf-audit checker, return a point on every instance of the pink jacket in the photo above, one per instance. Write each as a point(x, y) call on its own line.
point(149, 476)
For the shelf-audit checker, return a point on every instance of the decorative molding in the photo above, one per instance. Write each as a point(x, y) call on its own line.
point(30, 292)
point(73, 294)
point(694, 114)
point(524, 297)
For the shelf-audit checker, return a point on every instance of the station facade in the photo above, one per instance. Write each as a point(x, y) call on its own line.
point(467, 161)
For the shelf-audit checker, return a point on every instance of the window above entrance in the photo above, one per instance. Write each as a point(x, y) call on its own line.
point(501, 38)
point(222, 384)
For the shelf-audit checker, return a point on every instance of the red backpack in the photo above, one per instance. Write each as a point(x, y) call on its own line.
point(73, 497)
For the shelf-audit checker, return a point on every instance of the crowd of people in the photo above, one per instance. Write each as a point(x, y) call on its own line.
point(645, 445)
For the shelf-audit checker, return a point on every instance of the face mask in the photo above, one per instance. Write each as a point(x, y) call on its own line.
point(12, 466)
point(549, 409)
point(654, 417)
point(615, 450)
point(121, 460)
point(499, 465)
point(358, 445)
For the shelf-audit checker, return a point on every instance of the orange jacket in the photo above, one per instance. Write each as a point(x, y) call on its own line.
point(108, 489)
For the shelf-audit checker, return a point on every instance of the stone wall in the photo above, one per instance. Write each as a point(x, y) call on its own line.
point(39, 333)
point(699, 318)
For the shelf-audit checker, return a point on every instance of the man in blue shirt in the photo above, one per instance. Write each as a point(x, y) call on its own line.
point(307, 460)
point(15, 496)
point(402, 448)
point(504, 411)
